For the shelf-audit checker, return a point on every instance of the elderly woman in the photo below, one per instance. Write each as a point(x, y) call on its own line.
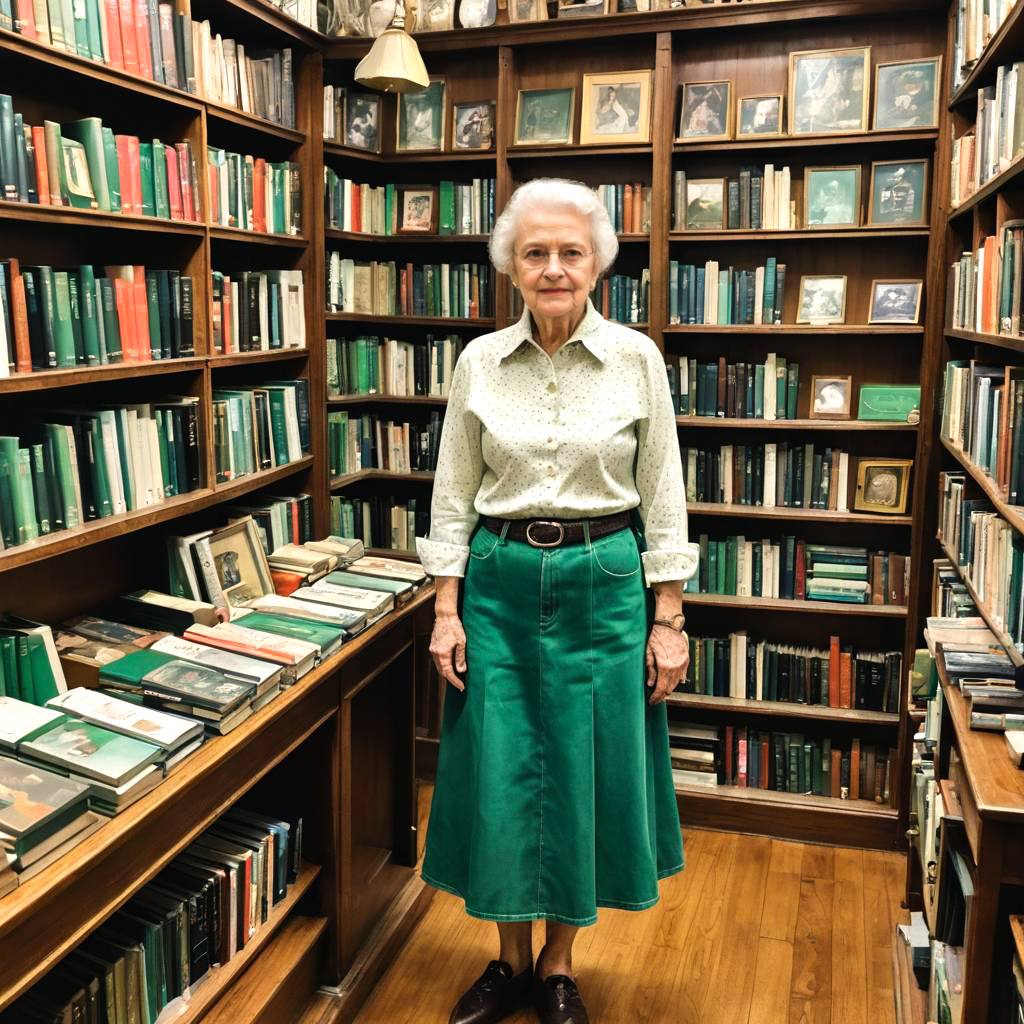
point(558, 492)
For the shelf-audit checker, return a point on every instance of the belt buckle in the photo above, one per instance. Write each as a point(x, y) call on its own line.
point(545, 544)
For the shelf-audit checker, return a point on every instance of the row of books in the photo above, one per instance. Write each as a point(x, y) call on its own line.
point(280, 523)
point(743, 667)
point(622, 298)
point(950, 596)
point(759, 198)
point(57, 319)
point(73, 466)
point(983, 290)
point(381, 521)
point(765, 390)
point(463, 208)
point(369, 442)
point(258, 311)
point(711, 294)
point(988, 551)
point(30, 670)
point(459, 290)
point(83, 164)
point(772, 475)
point(628, 206)
point(375, 366)
point(976, 22)
point(737, 755)
point(249, 193)
point(260, 427)
point(794, 570)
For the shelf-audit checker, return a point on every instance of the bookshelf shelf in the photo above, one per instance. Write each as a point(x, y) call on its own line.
point(793, 329)
point(1004, 47)
point(221, 234)
point(65, 216)
point(801, 234)
point(276, 355)
point(1013, 514)
point(218, 112)
point(782, 604)
point(412, 321)
point(386, 400)
point(780, 798)
point(424, 476)
point(780, 708)
point(843, 426)
point(796, 142)
point(569, 152)
point(1007, 341)
point(448, 156)
point(244, 484)
point(991, 187)
point(814, 515)
point(266, 15)
point(335, 234)
point(40, 380)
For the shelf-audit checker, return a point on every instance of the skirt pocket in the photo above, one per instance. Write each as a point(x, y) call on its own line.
point(617, 555)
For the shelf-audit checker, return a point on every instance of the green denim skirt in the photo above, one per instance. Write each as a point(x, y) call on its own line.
point(554, 792)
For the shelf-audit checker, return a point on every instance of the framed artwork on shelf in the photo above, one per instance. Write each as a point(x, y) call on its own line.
point(759, 117)
point(527, 10)
point(830, 398)
point(417, 209)
point(435, 16)
point(582, 8)
point(705, 204)
point(882, 485)
point(828, 90)
point(901, 402)
point(822, 299)
point(630, 6)
point(473, 125)
point(419, 126)
point(362, 121)
point(899, 192)
point(895, 302)
point(706, 111)
point(544, 117)
point(240, 564)
point(477, 13)
point(832, 196)
point(616, 108)
point(907, 94)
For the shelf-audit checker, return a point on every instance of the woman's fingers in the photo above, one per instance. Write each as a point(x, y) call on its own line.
point(448, 639)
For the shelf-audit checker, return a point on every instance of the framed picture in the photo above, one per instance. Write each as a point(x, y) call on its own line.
point(882, 485)
point(582, 8)
point(417, 209)
point(343, 17)
point(435, 16)
point(420, 121)
point(895, 302)
point(899, 192)
point(828, 90)
point(477, 13)
point(239, 564)
point(832, 196)
point(544, 117)
point(907, 94)
point(705, 204)
point(616, 107)
point(527, 10)
point(473, 125)
point(362, 121)
point(706, 111)
point(830, 398)
point(759, 117)
point(822, 299)
point(630, 6)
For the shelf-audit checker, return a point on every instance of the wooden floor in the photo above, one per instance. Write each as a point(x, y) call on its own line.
point(753, 931)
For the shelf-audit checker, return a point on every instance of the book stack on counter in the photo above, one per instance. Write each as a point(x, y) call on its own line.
point(381, 520)
point(369, 442)
point(375, 366)
point(72, 467)
point(462, 208)
point(711, 294)
point(792, 569)
point(765, 390)
point(459, 290)
point(759, 199)
point(113, 173)
point(258, 311)
point(622, 298)
point(199, 912)
point(295, 565)
point(59, 319)
point(787, 762)
point(260, 427)
point(776, 474)
point(628, 206)
point(838, 676)
point(249, 193)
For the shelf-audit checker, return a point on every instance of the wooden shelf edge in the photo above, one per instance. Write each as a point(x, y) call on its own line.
point(990, 188)
point(386, 400)
point(782, 709)
point(244, 484)
point(333, 148)
point(39, 380)
point(412, 321)
point(1012, 342)
point(799, 424)
point(808, 141)
point(797, 234)
point(224, 234)
point(783, 604)
point(378, 474)
point(792, 329)
point(782, 512)
point(268, 356)
point(236, 116)
point(68, 216)
point(779, 798)
point(336, 234)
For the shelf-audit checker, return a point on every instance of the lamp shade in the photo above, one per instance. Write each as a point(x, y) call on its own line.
point(393, 64)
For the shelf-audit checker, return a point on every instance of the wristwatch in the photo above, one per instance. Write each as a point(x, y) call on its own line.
point(676, 622)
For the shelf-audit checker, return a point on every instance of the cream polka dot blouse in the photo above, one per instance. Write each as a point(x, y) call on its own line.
point(587, 432)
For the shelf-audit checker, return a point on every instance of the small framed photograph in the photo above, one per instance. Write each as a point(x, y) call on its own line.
point(435, 16)
point(527, 10)
point(582, 8)
point(828, 90)
point(706, 111)
point(830, 398)
point(705, 204)
point(477, 13)
point(420, 121)
point(239, 563)
point(895, 302)
point(417, 209)
point(759, 117)
point(630, 6)
point(907, 94)
point(899, 192)
point(882, 486)
point(616, 108)
point(822, 299)
point(832, 196)
point(362, 121)
point(544, 117)
point(473, 125)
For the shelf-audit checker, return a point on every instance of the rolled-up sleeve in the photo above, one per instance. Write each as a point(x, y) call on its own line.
point(659, 482)
point(445, 550)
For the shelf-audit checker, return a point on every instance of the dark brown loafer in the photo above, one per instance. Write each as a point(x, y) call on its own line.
point(558, 1001)
point(495, 995)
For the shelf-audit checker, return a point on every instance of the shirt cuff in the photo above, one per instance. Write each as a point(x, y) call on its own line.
point(670, 564)
point(439, 558)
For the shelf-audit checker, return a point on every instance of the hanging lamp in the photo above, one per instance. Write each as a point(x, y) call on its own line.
point(394, 63)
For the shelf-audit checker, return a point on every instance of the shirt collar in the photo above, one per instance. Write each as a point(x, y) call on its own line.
point(589, 333)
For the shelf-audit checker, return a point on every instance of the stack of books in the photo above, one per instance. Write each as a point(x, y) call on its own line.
point(258, 311)
point(696, 753)
point(765, 390)
point(374, 366)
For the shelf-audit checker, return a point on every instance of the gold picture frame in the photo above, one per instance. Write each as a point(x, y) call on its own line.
point(527, 10)
point(883, 485)
point(749, 119)
point(616, 108)
point(901, 116)
point(833, 203)
point(705, 204)
point(834, 84)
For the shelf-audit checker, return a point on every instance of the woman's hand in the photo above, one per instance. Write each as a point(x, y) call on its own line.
point(448, 647)
point(668, 657)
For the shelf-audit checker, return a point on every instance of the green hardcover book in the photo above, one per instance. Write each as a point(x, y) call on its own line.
point(56, 23)
point(20, 470)
point(161, 195)
point(446, 222)
point(759, 391)
point(156, 344)
point(278, 425)
point(780, 388)
point(124, 453)
point(41, 490)
point(792, 387)
point(162, 445)
point(147, 178)
point(57, 438)
point(76, 320)
point(111, 328)
point(92, 752)
point(113, 171)
point(63, 334)
point(327, 638)
point(280, 183)
point(26, 682)
point(245, 212)
point(732, 544)
point(99, 473)
point(75, 179)
point(88, 314)
point(94, 30)
point(89, 133)
point(43, 681)
point(9, 657)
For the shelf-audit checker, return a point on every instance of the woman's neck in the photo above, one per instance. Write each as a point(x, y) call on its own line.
point(551, 333)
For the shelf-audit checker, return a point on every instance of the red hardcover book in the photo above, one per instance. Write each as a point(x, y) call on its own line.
point(25, 18)
point(766, 775)
point(356, 204)
point(259, 195)
point(19, 317)
point(112, 12)
point(144, 50)
point(723, 370)
point(173, 183)
point(140, 299)
point(845, 679)
point(124, 173)
point(897, 579)
point(226, 317)
point(42, 171)
point(877, 577)
point(184, 165)
point(408, 291)
point(286, 583)
point(296, 528)
point(729, 779)
point(124, 301)
point(627, 208)
point(214, 181)
point(989, 301)
point(639, 199)
point(837, 767)
point(800, 583)
point(134, 174)
point(741, 756)
point(855, 768)
point(833, 671)
point(129, 46)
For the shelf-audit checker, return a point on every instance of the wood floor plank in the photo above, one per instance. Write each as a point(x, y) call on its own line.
point(810, 999)
point(772, 977)
point(879, 925)
point(849, 957)
point(782, 891)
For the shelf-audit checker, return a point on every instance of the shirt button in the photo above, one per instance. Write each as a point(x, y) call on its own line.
point(551, 440)
point(552, 386)
point(551, 470)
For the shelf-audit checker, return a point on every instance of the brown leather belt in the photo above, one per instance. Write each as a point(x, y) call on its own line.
point(554, 533)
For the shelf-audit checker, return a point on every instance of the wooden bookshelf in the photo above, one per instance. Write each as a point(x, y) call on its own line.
point(1013, 514)
point(843, 426)
point(810, 515)
point(782, 709)
point(781, 604)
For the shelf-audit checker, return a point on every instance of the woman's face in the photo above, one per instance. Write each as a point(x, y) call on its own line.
point(549, 288)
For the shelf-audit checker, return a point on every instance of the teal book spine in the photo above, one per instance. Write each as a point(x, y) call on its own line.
point(88, 313)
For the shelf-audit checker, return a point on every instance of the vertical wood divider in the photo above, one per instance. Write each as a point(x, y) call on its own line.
point(661, 187)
